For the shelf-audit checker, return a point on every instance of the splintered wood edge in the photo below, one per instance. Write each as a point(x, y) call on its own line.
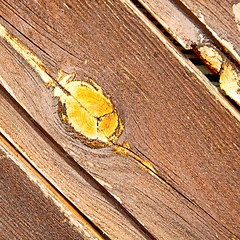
point(183, 60)
point(211, 56)
point(186, 32)
point(230, 81)
point(75, 218)
point(218, 63)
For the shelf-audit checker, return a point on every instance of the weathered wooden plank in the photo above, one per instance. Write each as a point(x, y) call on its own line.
point(221, 19)
point(191, 21)
point(28, 211)
point(177, 22)
point(187, 29)
point(182, 135)
point(164, 212)
point(65, 174)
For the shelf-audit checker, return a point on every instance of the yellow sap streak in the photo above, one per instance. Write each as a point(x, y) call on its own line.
point(124, 150)
point(33, 60)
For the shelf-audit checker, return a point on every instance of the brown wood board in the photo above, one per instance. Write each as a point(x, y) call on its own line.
point(191, 33)
point(167, 208)
point(177, 22)
point(197, 22)
point(63, 173)
point(220, 18)
point(171, 116)
point(27, 212)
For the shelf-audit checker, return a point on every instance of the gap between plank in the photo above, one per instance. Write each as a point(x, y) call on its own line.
point(79, 215)
point(189, 53)
point(73, 164)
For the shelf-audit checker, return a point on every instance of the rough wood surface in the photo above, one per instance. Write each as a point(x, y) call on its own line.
point(27, 213)
point(177, 22)
point(221, 19)
point(172, 118)
point(65, 174)
point(191, 21)
point(191, 33)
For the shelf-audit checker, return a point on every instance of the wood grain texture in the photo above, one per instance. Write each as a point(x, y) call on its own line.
point(191, 33)
point(175, 21)
point(65, 174)
point(27, 213)
point(200, 21)
point(221, 19)
point(171, 117)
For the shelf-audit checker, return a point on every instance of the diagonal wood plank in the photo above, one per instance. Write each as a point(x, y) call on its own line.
point(177, 22)
point(28, 209)
point(163, 211)
point(201, 21)
point(171, 116)
point(221, 19)
point(65, 174)
point(193, 34)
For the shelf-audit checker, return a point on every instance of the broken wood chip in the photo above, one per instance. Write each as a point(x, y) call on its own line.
point(230, 81)
point(210, 56)
point(218, 63)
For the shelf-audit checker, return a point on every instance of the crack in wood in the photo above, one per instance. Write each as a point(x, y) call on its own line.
point(70, 161)
point(87, 110)
point(125, 150)
point(218, 63)
point(51, 191)
point(70, 93)
point(83, 106)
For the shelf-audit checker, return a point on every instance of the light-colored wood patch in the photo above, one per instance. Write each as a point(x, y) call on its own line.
point(88, 111)
point(229, 81)
point(236, 11)
point(218, 63)
point(212, 57)
point(82, 105)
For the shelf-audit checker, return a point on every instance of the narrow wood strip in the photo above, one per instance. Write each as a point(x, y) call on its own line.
point(66, 175)
point(31, 207)
point(191, 33)
point(175, 21)
point(221, 19)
